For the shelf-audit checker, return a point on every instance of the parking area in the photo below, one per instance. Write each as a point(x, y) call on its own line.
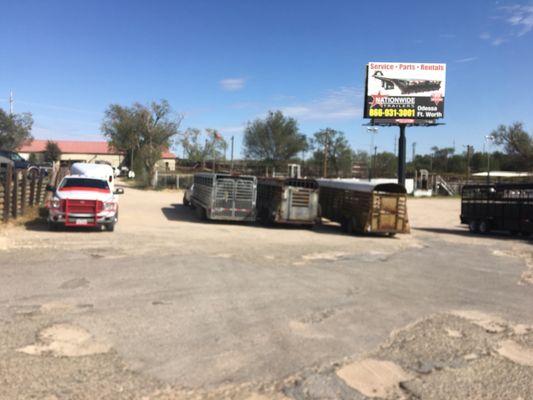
point(169, 307)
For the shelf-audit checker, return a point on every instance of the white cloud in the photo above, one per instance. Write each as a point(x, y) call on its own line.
point(521, 17)
point(342, 103)
point(466, 60)
point(232, 84)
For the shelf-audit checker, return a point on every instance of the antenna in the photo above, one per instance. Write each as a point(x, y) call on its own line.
point(11, 101)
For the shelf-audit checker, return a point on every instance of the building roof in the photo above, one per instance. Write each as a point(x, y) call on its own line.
point(78, 147)
point(503, 174)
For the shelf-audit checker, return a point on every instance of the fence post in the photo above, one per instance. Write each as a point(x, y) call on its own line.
point(23, 194)
point(14, 197)
point(7, 192)
point(39, 189)
point(32, 189)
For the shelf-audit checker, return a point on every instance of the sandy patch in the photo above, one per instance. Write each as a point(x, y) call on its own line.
point(327, 256)
point(374, 378)
point(66, 340)
point(56, 307)
point(306, 331)
point(516, 353)
point(454, 333)
point(491, 323)
point(3, 242)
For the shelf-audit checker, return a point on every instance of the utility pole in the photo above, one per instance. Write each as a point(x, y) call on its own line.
point(231, 164)
point(414, 153)
point(488, 140)
point(469, 151)
point(11, 101)
point(374, 158)
point(372, 130)
point(326, 149)
point(395, 143)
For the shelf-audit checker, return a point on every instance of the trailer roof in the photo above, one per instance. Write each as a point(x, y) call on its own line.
point(361, 186)
point(223, 175)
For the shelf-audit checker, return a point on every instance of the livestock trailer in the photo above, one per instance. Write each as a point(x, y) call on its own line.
point(500, 206)
point(224, 197)
point(288, 201)
point(365, 207)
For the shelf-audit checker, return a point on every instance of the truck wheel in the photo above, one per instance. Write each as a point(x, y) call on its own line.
point(473, 226)
point(185, 202)
point(110, 227)
point(52, 226)
point(484, 227)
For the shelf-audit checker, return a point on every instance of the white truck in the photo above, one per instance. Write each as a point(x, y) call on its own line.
point(87, 197)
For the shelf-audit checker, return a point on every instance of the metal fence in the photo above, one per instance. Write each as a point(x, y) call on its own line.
point(20, 190)
point(174, 180)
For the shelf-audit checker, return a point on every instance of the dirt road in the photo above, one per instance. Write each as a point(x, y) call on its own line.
point(170, 307)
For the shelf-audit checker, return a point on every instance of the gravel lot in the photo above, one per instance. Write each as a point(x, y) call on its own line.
point(168, 307)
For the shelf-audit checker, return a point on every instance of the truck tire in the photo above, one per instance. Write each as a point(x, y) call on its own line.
point(473, 226)
point(110, 227)
point(186, 202)
point(53, 226)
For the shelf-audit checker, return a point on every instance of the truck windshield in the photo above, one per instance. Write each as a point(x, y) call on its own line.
point(84, 183)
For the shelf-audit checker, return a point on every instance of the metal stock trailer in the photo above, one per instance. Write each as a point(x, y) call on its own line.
point(365, 207)
point(504, 207)
point(225, 197)
point(288, 201)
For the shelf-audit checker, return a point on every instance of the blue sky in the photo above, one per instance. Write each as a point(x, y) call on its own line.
point(223, 63)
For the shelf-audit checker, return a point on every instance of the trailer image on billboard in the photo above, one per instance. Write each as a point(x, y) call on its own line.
point(405, 91)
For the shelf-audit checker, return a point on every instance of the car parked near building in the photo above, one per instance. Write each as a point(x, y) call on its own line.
point(18, 161)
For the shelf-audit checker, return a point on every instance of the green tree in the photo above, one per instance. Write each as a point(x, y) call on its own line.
point(274, 139)
point(15, 130)
point(52, 152)
point(385, 165)
point(340, 155)
point(517, 144)
point(143, 130)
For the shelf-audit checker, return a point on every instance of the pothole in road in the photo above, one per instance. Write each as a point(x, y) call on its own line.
point(65, 340)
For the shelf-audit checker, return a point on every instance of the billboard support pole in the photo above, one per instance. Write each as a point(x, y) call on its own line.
point(401, 155)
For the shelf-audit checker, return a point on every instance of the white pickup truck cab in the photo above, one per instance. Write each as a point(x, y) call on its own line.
point(88, 199)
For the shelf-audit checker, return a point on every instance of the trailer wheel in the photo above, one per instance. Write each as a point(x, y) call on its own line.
point(351, 225)
point(473, 226)
point(484, 227)
point(200, 212)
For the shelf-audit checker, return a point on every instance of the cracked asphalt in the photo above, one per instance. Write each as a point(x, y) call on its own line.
point(167, 307)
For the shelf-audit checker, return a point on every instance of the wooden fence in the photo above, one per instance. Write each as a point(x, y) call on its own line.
point(20, 190)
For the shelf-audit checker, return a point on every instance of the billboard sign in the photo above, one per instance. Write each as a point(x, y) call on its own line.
point(405, 91)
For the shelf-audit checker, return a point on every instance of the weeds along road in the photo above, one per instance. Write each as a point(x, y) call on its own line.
point(170, 307)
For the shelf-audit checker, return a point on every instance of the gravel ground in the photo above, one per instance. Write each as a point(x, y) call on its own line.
point(167, 307)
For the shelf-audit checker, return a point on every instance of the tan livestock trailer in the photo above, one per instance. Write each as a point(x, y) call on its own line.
point(365, 207)
point(287, 201)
